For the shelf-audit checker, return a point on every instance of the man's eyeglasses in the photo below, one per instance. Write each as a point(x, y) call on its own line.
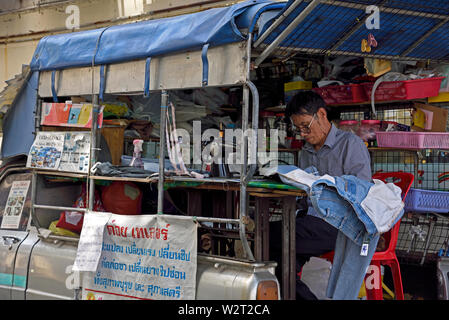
point(305, 129)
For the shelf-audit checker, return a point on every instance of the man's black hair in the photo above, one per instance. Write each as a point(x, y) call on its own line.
point(305, 102)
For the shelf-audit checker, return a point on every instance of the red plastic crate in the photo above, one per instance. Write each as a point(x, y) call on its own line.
point(404, 90)
point(413, 140)
point(349, 93)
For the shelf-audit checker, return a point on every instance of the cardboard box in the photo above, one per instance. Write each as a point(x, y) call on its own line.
point(438, 118)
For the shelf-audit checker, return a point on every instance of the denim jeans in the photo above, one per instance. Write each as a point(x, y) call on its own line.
point(348, 203)
point(340, 202)
point(348, 268)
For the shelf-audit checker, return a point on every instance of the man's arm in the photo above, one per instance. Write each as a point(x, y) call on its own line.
point(358, 160)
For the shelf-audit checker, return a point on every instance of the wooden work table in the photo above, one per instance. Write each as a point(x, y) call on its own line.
point(263, 193)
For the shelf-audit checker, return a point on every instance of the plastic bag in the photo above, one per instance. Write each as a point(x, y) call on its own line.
point(73, 220)
point(443, 70)
point(122, 198)
point(61, 231)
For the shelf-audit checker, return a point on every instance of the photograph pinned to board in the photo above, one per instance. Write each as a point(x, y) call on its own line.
point(14, 204)
point(61, 151)
point(69, 114)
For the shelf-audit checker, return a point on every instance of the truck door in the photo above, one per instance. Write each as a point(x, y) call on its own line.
point(15, 204)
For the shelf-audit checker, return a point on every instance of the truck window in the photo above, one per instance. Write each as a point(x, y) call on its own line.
point(15, 201)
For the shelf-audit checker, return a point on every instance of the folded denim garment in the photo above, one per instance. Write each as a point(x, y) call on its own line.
point(359, 209)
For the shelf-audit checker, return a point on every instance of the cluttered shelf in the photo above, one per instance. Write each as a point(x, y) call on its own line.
point(391, 149)
point(349, 104)
point(132, 179)
point(393, 88)
point(61, 174)
point(281, 108)
point(155, 139)
point(381, 149)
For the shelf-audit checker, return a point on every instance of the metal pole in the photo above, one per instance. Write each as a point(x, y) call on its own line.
point(211, 180)
point(58, 208)
point(160, 186)
point(424, 37)
point(384, 9)
point(243, 181)
point(352, 31)
point(33, 200)
point(255, 127)
point(93, 149)
point(429, 236)
point(37, 116)
point(217, 220)
point(268, 50)
point(277, 22)
point(37, 120)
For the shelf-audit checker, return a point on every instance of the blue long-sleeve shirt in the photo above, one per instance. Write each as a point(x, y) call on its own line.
point(343, 153)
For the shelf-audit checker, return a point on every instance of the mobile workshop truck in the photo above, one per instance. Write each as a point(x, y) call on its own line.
point(209, 48)
point(213, 48)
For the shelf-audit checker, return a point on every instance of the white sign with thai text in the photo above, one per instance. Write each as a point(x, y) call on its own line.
point(14, 204)
point(145, 257)
point(91, 241)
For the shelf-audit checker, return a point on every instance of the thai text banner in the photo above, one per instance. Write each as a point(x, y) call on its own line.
point(145, 257)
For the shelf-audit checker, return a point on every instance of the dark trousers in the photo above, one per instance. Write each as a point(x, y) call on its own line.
point(314, 237)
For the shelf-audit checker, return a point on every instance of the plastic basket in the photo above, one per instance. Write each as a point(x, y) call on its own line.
point(413, 140)
point(418, 200)
point(349, 93)
point(404, 90)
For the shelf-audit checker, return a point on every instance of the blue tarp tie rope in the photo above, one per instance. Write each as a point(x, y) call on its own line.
point(101, 68)
point(205, 65)
point(53, 90)
point(146, 89)
point(102, 82)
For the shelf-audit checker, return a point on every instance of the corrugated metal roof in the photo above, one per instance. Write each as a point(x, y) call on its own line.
point(408, 29)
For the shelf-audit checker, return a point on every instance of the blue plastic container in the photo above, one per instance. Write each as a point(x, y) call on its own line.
point(419, 200)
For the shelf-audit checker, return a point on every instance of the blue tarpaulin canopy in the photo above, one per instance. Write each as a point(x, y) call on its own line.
point(122, 43)
point(148, 38)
